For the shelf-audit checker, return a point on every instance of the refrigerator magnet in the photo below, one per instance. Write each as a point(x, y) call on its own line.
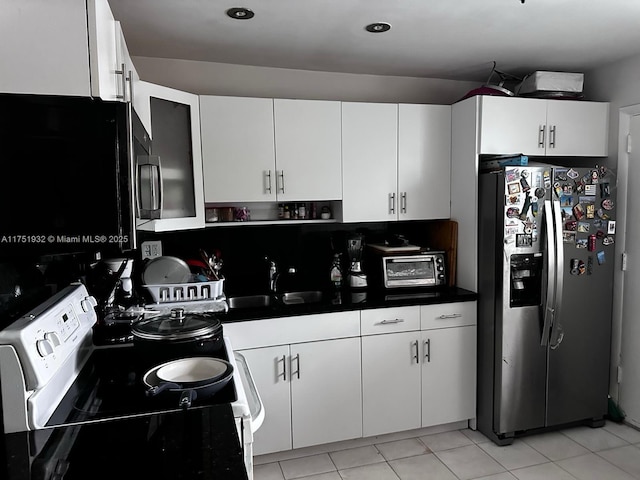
point(590, 190)
point(513, 188)
point(572, 174)
point(611, 227)
point(557, 189)
point(600, 257)
point(513, 212)
point(590, 210)
point(561, 174)
point(607, 204)
point(569, 237)
point(608, 240)
point(578, 211)
point(605, 190)
point(581, 243)
point(566, 201)
point(599, 234)
point(571, 225)
point(595, 177)
point(574, 266)
point(582, 268)
point(583, 227)
point(546, 177)
point(589, 265)
point(525, 185)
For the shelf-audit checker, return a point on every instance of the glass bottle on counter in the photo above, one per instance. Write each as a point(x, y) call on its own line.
point(336, 272)
point(302, 211)
point(286, 214)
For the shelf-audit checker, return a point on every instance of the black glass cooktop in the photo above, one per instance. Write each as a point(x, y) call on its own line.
point(110, 386)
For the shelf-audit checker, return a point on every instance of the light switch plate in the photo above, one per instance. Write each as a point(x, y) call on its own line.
point(151, 249)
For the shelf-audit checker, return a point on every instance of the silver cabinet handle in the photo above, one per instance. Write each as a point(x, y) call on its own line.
point(552, 136)
point(403, 203)
point(427, 346)
point(281, 175)
point(451, 315)
point(297, 371)
point(392, 203)
point(416, 356)
point(268, 188)
point(541, 135)
point(390, 321)
point(123, 82)
point(284, 367)
point(130, 80)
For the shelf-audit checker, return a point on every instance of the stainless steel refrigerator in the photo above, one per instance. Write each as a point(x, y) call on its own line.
point(546, 236)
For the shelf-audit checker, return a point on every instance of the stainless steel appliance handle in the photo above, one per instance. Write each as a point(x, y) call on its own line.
point(154, 210)
point(416, 356)
point(551, 273)
point(130, 80)
point(394, 320)
point(552, 136)
point(556, 329)
point(392, 203)
point(541, 135)
point(123, 81)
point(427, 345)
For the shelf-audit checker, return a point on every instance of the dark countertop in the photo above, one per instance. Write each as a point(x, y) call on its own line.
point(191, 444)
point(348, 300)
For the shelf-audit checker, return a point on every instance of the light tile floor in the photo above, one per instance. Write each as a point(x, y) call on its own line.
point(581, 453)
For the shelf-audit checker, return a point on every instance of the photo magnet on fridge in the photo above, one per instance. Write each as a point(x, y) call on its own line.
point(600, 257)
point(611, 227)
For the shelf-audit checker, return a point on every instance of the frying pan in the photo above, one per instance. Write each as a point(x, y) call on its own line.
point(188, 378)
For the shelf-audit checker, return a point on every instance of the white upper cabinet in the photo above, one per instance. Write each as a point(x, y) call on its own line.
point(169, 182)
point(268, 150)
point(45, 49)
point(395, 162)
point(369, 162)
point(108, 76)
point(539, 127)
point(238, 149)
point(308, 150)
point(424, 161)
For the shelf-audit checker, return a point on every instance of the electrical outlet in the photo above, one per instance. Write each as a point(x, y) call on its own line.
point(151, 249)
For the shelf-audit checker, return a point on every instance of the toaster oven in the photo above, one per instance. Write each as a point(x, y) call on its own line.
point(414, 270)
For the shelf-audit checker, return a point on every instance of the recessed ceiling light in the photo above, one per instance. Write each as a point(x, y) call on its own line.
point(240, 13)
point(378, 27)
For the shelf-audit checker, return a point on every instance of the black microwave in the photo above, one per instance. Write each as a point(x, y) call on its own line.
point(67, 174)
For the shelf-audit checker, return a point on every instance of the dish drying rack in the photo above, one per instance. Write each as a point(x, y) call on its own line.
point(187, 292)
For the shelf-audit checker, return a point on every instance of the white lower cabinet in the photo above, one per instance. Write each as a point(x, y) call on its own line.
point(391, 398)
point(448, 375)
point(311, 393)
point(418, 378)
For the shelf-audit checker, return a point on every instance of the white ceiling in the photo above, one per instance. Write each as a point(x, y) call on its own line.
point(455, 39)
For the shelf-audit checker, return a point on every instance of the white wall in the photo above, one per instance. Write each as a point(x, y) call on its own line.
point(208, 78)
point(619, 84)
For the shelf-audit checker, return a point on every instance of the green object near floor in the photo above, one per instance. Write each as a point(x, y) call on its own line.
point(614, 413)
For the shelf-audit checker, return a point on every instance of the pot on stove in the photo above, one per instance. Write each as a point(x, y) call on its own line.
point(188, 379)
point(177, 335)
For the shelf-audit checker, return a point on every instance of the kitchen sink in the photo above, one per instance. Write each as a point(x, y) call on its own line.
point(250, 301)
point(308, 296)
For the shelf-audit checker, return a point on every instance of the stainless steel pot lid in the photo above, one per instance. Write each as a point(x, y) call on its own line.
point(178, 325)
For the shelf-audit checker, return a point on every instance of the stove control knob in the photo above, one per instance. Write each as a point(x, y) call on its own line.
point(88, 303)
point(53, 338)
point(44, 347)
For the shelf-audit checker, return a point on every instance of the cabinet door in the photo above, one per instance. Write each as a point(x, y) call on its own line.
point(238, 149)
point(326, 395)
point(45, 49)
point(369, 162)
point(175, 126)
point(308, 150)
point(270, 370)
point(512, 125)
point(577, 128)
point(390, 383)
point(448, 375)
point(108, 78)
point(424, 161)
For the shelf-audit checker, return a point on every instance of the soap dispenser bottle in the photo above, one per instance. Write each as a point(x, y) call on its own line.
point(336, 272)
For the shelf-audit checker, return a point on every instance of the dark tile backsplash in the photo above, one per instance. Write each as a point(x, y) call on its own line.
point(309, 248)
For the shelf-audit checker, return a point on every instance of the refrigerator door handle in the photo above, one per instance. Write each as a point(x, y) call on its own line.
point(556, 329)
point(551, 273)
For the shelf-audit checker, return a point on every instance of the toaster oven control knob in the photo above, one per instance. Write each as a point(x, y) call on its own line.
point(53, 338)
point(440, 268)
point(44, 347)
